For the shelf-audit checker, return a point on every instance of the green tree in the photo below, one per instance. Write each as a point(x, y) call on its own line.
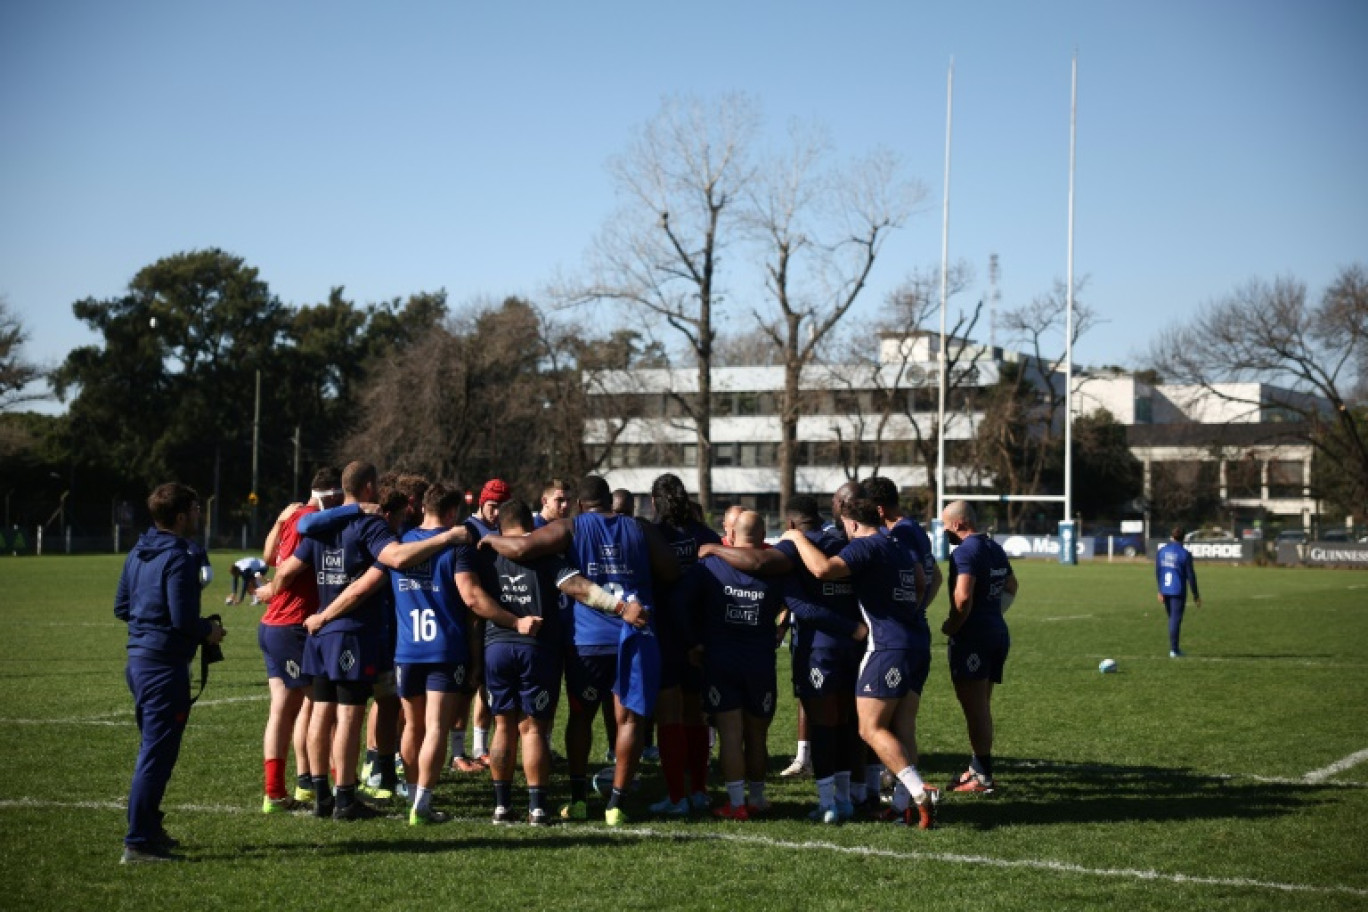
point(169, 392)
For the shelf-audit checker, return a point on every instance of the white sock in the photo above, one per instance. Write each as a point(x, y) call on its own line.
point(826, 792)
point(481, 746)
point(804, 755)
point(422, 799)
point(458, 742)
point(757, 793)
point(736, 793)
point(842, 783)
point(910, 780)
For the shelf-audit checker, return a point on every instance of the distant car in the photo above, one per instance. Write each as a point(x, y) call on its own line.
point(1291, 536)
point(1212, 536)
point(1128, 544)
point(1335, 535)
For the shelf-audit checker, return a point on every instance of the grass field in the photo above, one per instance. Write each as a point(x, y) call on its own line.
point(1236, 778)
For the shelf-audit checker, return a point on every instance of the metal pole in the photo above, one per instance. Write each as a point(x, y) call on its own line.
point(1068, 321)
point(256, 447)
point(944, 289)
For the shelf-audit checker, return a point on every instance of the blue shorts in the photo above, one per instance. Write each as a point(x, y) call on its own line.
point(414, 679)
point(590, 672)
point(823, 672)
point(979, 657)
point(521, 677)
point(343, 656)
point(675, 670)
point(887, 674)
point(747, 682)
point(282, 646)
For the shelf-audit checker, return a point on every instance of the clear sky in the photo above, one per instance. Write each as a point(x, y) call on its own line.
point(405, 146)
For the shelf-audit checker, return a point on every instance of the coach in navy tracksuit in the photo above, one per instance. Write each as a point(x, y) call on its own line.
point(159, 599)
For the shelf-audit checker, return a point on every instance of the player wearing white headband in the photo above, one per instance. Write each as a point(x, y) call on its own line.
point(281, 636)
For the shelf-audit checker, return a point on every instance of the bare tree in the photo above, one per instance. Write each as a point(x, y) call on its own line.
point(682, 181)
point(16, 372)
point(1271, 333)
point(821, 231)
point(904, 381)
point(1023, 419)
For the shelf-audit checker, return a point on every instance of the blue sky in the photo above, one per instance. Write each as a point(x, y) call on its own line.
point(400, 147)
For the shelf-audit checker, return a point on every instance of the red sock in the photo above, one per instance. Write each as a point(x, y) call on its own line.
point(275, 779)
point(696, 738)
point(674, 758)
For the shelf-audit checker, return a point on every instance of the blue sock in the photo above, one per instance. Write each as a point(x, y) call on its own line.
point(615, 798)
point(503, 794)
point(536, 797)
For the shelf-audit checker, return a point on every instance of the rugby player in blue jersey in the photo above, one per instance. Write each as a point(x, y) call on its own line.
point(523, 659)
point(738, 622)
point(889, 584)
point(484, 521)
point(345, 650)
point(610, 653)
point(1175, 574)
point(682, 727)
point(432, 652)
point(982, 587)
point(828, 641)
point(905, 529)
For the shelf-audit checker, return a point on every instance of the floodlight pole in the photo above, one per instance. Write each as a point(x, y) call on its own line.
point(945, 268)
point(1069, 312)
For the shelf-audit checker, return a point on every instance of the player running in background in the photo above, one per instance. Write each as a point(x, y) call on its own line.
point(982, 587)
point(1175, 574)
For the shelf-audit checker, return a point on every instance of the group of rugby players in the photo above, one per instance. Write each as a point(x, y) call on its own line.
point(382, 595)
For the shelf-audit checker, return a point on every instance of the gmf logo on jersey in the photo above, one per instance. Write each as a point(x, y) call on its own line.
point(909, 578)
point(610, 552)
point(332, 560)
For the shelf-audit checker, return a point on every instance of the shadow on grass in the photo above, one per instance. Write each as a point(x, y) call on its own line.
point(1038, 792)
point(383, 842)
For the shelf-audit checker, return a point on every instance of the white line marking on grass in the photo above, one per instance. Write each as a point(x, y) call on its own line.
point(125, 716)
point(1062, 867)
point(1070, 617)
point(1338, 766)
point(1037, 864)
point(128, 721)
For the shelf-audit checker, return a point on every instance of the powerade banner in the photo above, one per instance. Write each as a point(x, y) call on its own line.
point(1018, 546)
point(1230, 551)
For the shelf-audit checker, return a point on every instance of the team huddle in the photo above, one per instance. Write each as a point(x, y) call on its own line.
point(383, 597)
